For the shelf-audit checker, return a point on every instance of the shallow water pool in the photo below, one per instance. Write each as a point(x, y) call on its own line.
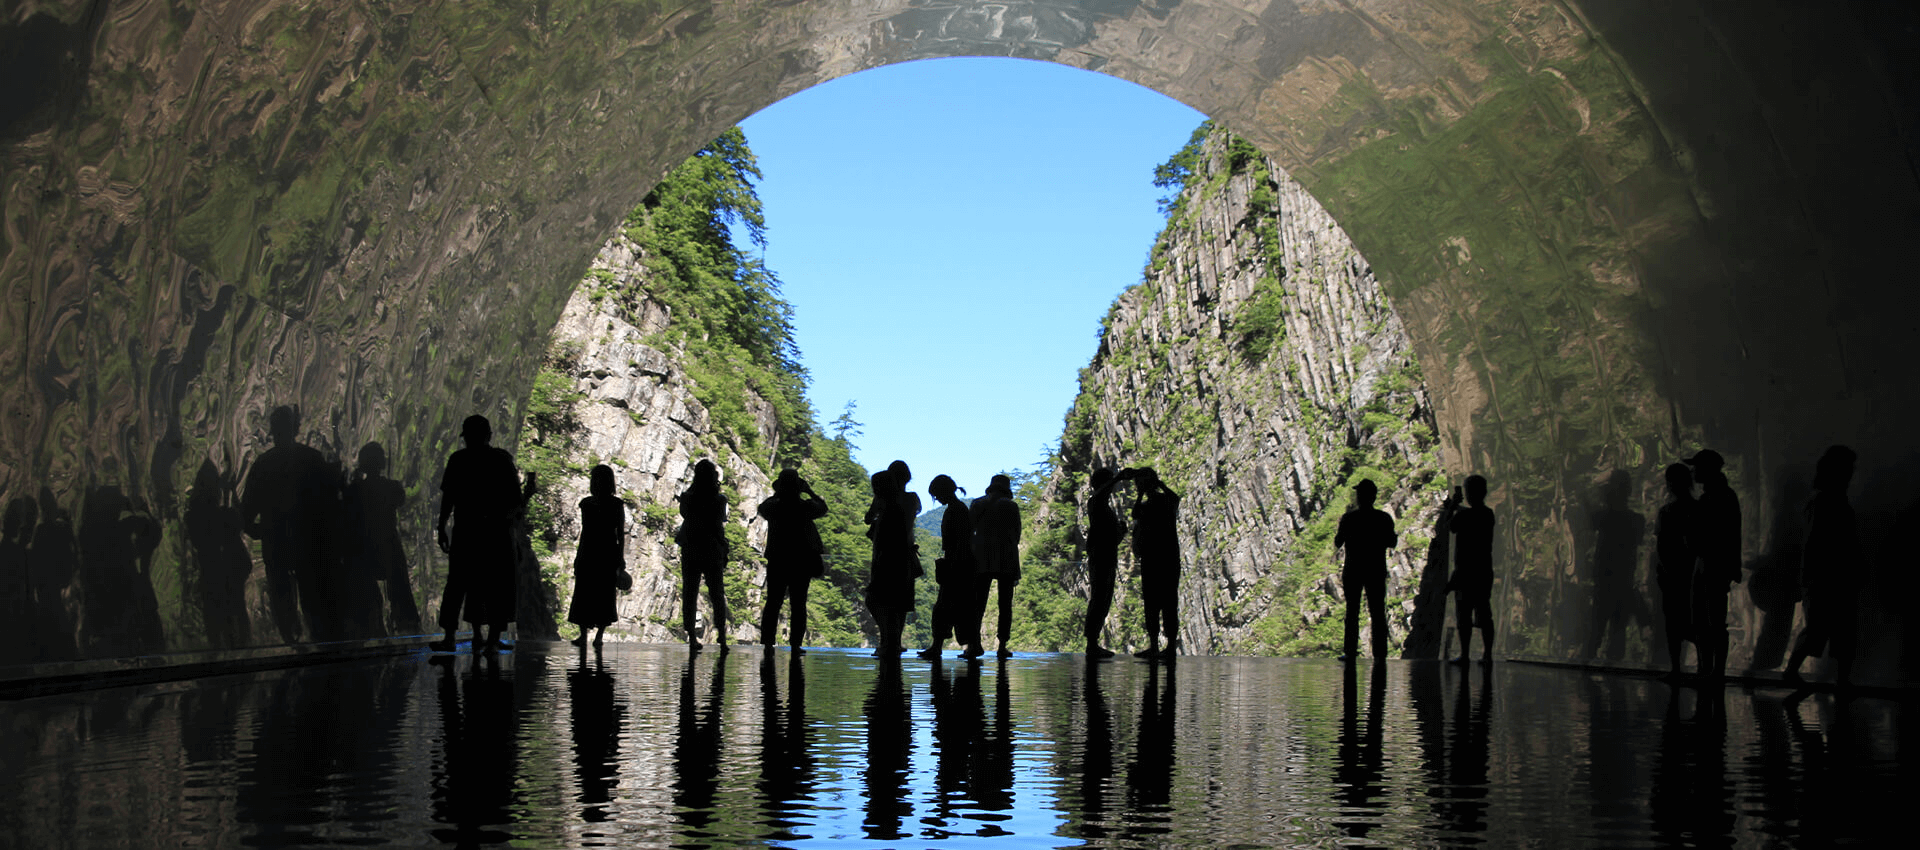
point(645, 745)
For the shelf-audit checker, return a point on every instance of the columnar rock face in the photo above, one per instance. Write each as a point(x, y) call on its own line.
point(1261, 370)
point(637, 414)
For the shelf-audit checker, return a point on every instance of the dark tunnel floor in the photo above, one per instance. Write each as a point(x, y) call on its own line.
point(643, 746)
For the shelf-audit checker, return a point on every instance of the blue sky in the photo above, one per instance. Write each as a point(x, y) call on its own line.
point(950, 233)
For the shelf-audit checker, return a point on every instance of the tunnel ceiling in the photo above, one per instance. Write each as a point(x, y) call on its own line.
point(1616, 230)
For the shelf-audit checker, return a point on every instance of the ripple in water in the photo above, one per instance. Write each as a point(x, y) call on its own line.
point(647, 746)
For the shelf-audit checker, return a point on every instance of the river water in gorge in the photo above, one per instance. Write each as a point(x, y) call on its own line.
point(647, 745)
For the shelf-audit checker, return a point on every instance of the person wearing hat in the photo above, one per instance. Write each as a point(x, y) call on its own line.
point(1156, 548)
point(795, 556)
point(1367, 533)
point(996, 557)
point(482, 493)
point(1717, 543)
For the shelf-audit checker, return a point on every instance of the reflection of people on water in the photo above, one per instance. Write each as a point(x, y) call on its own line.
point(1150, 773)
point(599, 718)
point(1360, 771)
point(601, 558)
point(959, 724)
point(889, 751)
point(992, 777)
point(473, 785)
point(696, 746)
point(786, 748)
point(1833, 569)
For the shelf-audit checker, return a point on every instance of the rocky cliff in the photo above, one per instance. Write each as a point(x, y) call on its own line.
point(1260, 368)
point(631, 406)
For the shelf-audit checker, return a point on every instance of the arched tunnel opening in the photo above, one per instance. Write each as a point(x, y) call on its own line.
point(1616, 234)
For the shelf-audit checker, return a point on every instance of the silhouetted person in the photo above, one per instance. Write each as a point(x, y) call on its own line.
point(220, 558)
point(600, 559)
point(786, 752)
point(481, 492)
point(795, 555)
point(1832, 571)
point(996, 559)
point(1673, 535)
point(16, 591)
point(53, 559)
point(1717, 546)
point(953, 609)
point(290, 498)
point(1156, 550)
point(896, 562)
point(696, 747)
point(909, 500)
point(119, 613)
point(889, 750)
point(1617, 530)
point(598, 717)
point(1104, 530)
point(1472, 582)
point(1367, 533)
point(703, 551)
point(373, 504)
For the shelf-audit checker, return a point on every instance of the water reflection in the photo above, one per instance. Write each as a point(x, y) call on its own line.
point(646, 746)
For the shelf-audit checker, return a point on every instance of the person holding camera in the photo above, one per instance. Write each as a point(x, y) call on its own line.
point(795, 556)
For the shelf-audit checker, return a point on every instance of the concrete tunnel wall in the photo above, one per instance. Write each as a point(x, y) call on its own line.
point(1618, 231)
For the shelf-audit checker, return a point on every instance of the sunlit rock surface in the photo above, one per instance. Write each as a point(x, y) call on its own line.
point(1615, 232)
point(638, 414)
point(1259, 366)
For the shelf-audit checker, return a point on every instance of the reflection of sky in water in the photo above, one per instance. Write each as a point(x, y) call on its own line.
point(647, 748)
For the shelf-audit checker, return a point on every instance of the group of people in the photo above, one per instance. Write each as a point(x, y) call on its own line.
point(1697, 556)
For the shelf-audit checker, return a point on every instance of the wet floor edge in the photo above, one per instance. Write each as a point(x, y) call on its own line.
point(25, 681)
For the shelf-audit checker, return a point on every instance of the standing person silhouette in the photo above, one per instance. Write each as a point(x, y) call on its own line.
point(795, 556)
point(703, 551)
point(1104, 530)
point(373, 503)
point(953, 609)
point(1472, 582)
point(1717, 543)
point(482, 493)
point(895, 564)
point(600, 558)
point(1673, 535)
point(1367, 533)
point(1832, 569)
point(1156, 548)
point(996, 558)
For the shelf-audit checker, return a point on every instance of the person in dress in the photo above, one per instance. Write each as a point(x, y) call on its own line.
point(895, 563)
point(600, 559)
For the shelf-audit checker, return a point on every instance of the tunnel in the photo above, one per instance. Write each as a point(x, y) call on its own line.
point(1617, 232)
